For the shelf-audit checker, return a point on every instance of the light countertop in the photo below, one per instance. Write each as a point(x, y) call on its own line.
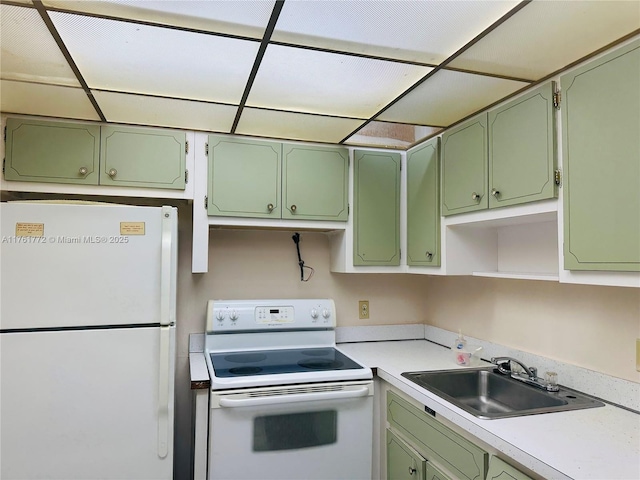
point(596, 443)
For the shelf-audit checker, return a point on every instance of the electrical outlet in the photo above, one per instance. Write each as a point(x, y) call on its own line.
point(638, 354)
point(364, 309)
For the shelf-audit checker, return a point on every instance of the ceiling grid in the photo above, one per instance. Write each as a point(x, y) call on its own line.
point(368, 73)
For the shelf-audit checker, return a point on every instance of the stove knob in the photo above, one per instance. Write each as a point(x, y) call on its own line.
point(233, 315)
point(326, 313)
point(220, 315)
point(314, 313)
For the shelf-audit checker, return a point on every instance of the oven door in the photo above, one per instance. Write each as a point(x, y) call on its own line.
point(317, 431)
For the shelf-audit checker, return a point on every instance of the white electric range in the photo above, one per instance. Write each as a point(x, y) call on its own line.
point(285, 403)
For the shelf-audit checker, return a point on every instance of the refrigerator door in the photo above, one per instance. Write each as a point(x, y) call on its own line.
point(72, 265)
point(86, 404)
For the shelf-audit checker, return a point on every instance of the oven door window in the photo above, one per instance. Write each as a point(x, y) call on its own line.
point(294, 430)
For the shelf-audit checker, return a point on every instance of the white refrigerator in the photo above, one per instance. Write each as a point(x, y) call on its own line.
point(87, 341)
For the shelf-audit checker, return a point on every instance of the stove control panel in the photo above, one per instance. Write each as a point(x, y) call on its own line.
point(224, 316)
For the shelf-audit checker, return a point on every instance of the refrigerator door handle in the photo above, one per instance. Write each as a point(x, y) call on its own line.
point(166, 267)
point(163, 392)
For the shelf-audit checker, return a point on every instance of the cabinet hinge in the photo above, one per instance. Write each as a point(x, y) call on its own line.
point(4, 162)
point(400, 253)
point(558, 177)
point(186, 176)
point(206, 202)
point(557, 98)
point(348, 209)
point(206, 149)
point(5, 133)
point(186, 146)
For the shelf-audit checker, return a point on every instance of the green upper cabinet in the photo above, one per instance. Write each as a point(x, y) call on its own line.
point(423, 204)
point(315, 182)
point(522, 150)
point(376, 208)
point(142, 157)
point(54, 152)
point(601, 159)
point(244, 178)
point(403, 462)
point(464, 167)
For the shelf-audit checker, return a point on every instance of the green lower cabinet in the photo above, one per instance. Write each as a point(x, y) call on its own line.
point(403, 462)
point(142, 157)
point(434, 473)
point(244, 178)
point(464, 167)
point(522, 149)
point(601, 160)
point(500, 470)
point(423, 204)
point(52, 152)
point(457, 455)
point(315, 182)
point(376, 208)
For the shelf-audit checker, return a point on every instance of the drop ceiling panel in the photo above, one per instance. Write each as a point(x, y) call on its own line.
point(521, 48)
point(165, 112)
point(449, 96)
point(47, 100)
point(317, 82)
point(245, 18)
point(391, 135)
point(424, 31)
point(29, 52)
point(296, 126)
point(134, 58)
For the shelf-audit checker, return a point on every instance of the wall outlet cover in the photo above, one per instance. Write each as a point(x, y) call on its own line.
point(363, 307)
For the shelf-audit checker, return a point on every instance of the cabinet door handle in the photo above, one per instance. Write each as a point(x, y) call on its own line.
point(112, 173)
point(495, 193)
point(412, 470)
point(476, 196)
point(429, 255)
point(83, 171)
point(293, 208)
point(270, 207)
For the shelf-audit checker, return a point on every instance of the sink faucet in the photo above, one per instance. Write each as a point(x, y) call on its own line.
point(530, 375)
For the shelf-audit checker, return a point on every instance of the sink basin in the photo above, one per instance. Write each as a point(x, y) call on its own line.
point(489, 394)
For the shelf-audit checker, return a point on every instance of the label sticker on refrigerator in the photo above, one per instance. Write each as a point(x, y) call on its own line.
point(131, 228)
point(29, 229)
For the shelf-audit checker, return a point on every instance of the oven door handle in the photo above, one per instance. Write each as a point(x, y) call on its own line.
point(296, 397)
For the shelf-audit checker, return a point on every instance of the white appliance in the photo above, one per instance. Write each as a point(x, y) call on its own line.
point(285, 403)
point(87, 341)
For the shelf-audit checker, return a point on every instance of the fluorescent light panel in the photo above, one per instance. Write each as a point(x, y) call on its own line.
point(424, 31)
point(244, 18)
point(165, 112)
point(47, 100)
point(29, 52)
point(449, 96)
point(544, 37)
point(309, 81)
point(296, 126)
point(134, 58)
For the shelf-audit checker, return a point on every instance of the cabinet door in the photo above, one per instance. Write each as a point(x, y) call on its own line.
point(142, 157)
point(522, 151)
point(244, 177)
point(376, 208)
point(464, 167)
point(315, 182)
point(403, 462)
point(499, 470)
point(434, 473)
point(53, 152)
point(423, 205)
point(601, 160)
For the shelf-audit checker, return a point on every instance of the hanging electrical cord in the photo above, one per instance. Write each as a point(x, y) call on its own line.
point(296, 240)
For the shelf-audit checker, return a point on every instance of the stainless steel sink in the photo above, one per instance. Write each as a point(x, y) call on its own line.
point(488, 394)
